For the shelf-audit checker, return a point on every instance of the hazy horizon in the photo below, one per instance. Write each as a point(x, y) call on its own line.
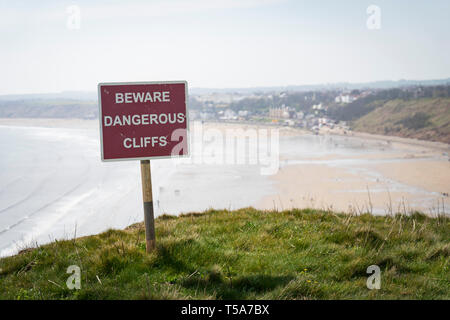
point(54, 47)
point(370, 84)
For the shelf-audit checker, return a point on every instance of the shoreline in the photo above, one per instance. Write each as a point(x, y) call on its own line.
point(285, 130)
point(49, 123)
point(396, 172)
point(391, 139)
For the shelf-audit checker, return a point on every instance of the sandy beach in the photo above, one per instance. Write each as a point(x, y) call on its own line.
point(386, 175)
point(403, 176)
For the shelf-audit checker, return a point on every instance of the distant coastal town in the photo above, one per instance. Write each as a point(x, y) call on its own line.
point(419, 111)
point(333, 109)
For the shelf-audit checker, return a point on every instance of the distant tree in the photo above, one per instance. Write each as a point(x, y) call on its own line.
point(417, 121)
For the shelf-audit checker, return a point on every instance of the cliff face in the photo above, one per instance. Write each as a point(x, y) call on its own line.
point(425, 119)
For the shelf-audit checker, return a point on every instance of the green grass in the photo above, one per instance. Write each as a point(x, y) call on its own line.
point(244, 254)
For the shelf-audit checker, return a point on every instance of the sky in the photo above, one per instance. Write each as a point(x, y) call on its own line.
point(53, 46)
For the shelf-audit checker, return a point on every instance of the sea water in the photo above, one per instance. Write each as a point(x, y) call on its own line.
point(53, 185)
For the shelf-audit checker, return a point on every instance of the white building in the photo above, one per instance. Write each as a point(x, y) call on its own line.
point(344, 98)
point(229, 115)
point(282, 112)
point(243, 113)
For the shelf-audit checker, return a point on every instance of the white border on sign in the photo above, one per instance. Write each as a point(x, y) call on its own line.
point(100, 117)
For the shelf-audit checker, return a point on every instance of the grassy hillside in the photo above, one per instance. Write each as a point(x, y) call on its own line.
point(245, 254)
point(426, 119)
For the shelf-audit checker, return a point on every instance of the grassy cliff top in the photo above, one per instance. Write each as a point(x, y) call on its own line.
point(244, 254)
